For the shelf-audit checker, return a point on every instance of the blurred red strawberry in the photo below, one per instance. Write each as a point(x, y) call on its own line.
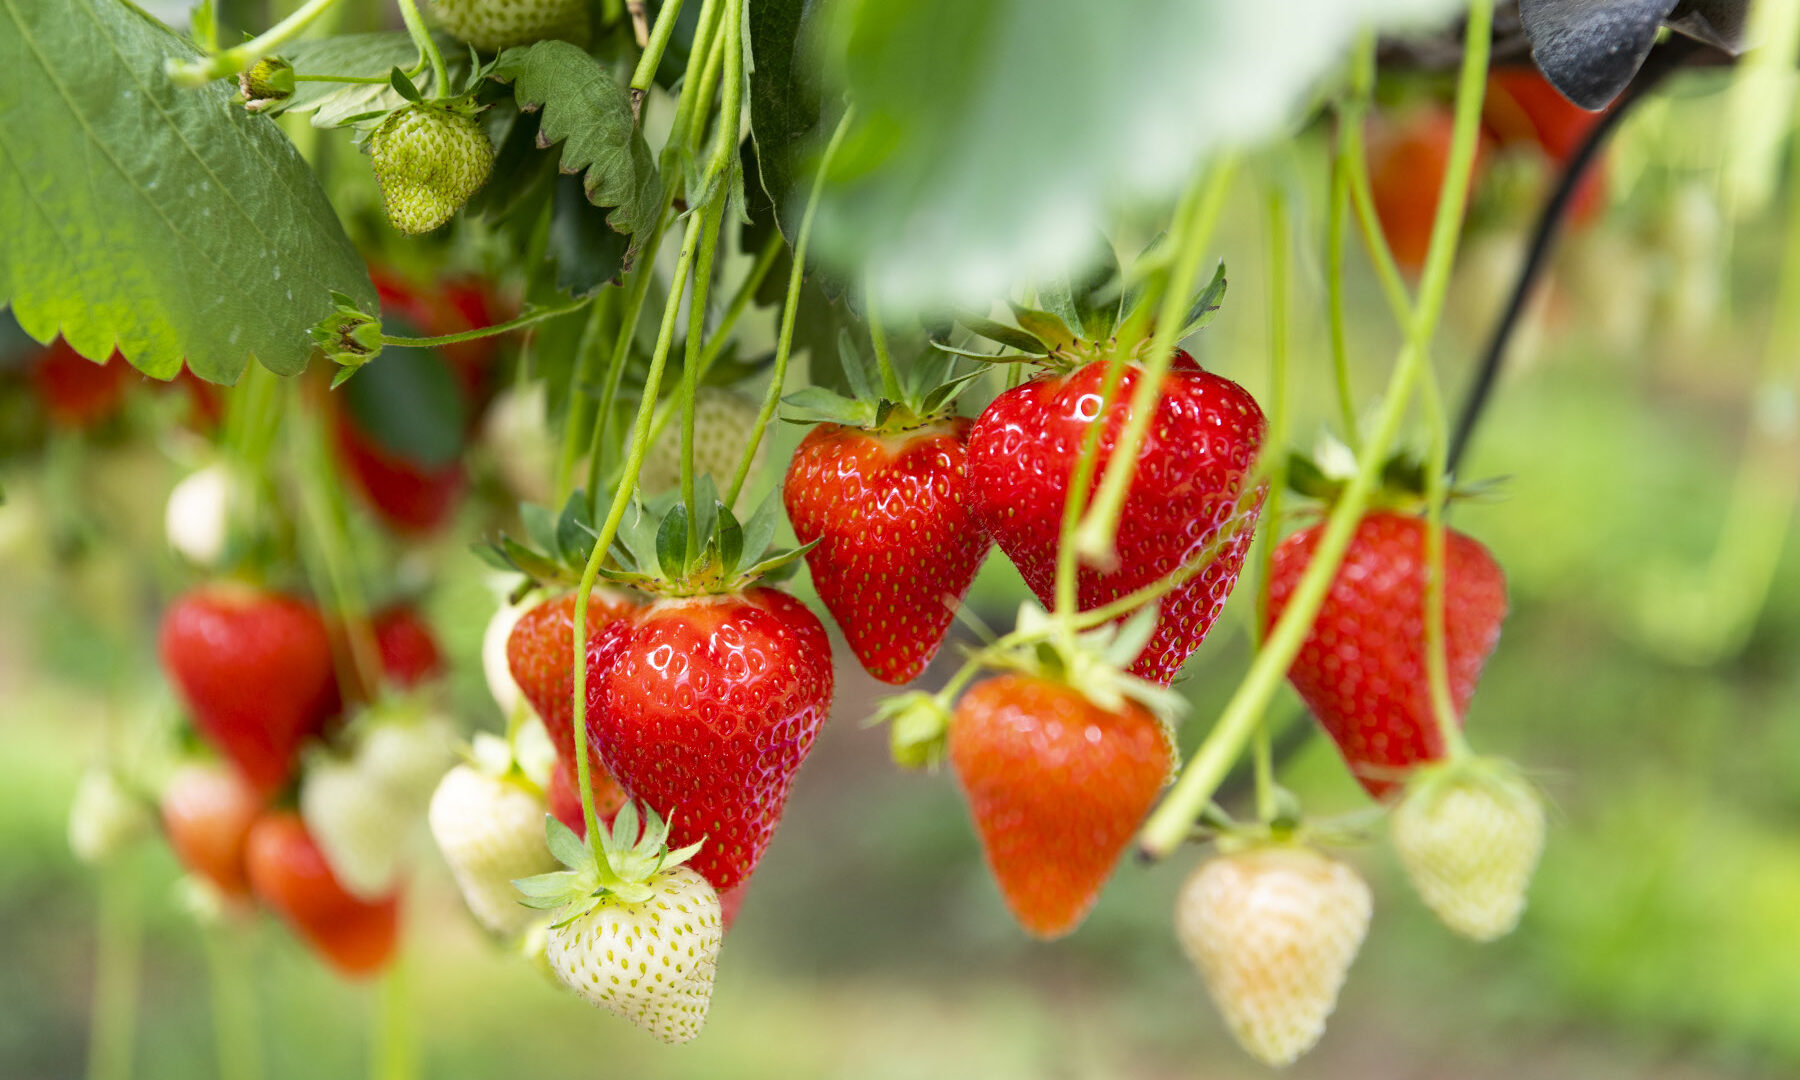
point(1522, 107)
point(407, 496)
point(76, 392)
point(409, 650)
point(1408, 155)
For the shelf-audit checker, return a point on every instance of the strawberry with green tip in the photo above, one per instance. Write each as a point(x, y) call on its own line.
point(1362, 668)
point(429, 158)
point(637, 931)
point(1469, 834)
point(1273, 929)
point(881, 489)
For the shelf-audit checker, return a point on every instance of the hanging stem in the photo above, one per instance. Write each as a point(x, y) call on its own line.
point(890, 382)
point(233, 1006)
point(1437, 661)
point(642, 275)
point(690, 365)
point(1094, 539)
point(1279, 243)
point(395, 1051)
point(119, 929)
point(581, 373)
point(191, 73)
point(645, 74)
point(322, 500)
point(523, 319)
point(784, 342)
point(1334, 296)
point(704, 28)
point(616, 513)
point(1170, 824)
point(421, 35)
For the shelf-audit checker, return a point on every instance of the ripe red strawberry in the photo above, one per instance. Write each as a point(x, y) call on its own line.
point(538, 654)
point(1362, 669)
point(1184, 497)
point(255, 669)
point(290, 875)
point(76, 392)
point(1408, 156)
point(409, 497)
point(563, 795)
point(1056, 785)
point(1522, 106)
point(898, 543)
point(703, 707)
point(409, 650)
point(207, 813)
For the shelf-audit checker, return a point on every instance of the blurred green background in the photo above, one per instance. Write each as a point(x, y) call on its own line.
point(1663, 936)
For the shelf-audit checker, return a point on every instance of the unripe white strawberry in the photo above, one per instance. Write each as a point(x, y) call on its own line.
point(492, 25)
point(1273, 930)
point(357, 822)
point(104, 818)
point(1469, 835)
point(636, 932)
point(197, 519)
point(491, 832)
point(408, 754)
point(429, 159)
point(723, 420)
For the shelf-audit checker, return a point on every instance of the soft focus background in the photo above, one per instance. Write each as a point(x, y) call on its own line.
point(1650, 687)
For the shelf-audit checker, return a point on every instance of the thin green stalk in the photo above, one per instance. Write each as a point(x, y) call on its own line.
point(360, 80)
point(641, 276)
point(233, 1007)
point(784, 342)
point(1100, 528)
point(704, 28)
point(1279, 242)
point(421, 35)
point(731, 104)
point(394, 1044)
point(193, 73)
point(709, 81)
point(647, 64)
point(712, 215)
point(1170, 824)
point(119, 930)
point(890, 382)
point(616, 513)
point(523, 319)
point(1334, 297)
point(322, 502)
point(1437, 662)
point(581, 374)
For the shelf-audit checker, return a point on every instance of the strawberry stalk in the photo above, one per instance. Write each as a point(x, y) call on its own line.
point(1170, 824)
point(233, 1005)
point(1095, 537)
point(785, 340)
point(394, 1049)
point(428, 50)
point(525, 318)
point(1279, 242)
point(654, 48)
point(704, 28)
point(621, 352)
point(119, 948)
point(581, 373)
point(322, 502)
point(1362, 197)
point(1437, 658)
point(1334, 295)
point(192, 73)
point(690, 364)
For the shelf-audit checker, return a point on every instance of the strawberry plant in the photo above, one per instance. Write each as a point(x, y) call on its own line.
point(514, 292)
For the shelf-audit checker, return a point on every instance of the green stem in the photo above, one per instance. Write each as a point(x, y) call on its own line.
point(647, 64)
point(890, 382)
point(616, 513)
point(361, 80)
point(731, 106)
point(581, 373)
point(395, 1053)
point(1334, 296)
point(233, 1007)
point(191, 73)
point(642, 275)
point(523, 319)
point(428, 50)
point(1437, 662)
point(1100, 528)
point(322, 501)
point(784, 342)
point(1170, 824)
point(709, 81)
point(712, 214)
point(704, 28)
point(119, 928)
point(1279, 242)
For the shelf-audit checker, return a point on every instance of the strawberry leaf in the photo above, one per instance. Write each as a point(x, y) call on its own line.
point(759, 531)
point(166, 222)
point(364, 56)
point(1205, 306)
point(586, 109)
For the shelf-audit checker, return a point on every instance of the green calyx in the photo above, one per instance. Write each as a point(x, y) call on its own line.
point(1093, 662)
point(266, 83)
point(1078, 324)
point(1498, 776)
point(350, 336)
point(1403, 486)
point(928, 390)
point(660, 551)
point(625, 865)
point(918, 726)
point(555, 550)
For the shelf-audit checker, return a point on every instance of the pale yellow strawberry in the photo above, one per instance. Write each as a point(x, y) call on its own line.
point(1469, 835)
point(491, 832)
point(723, 420)
point(1273, 929)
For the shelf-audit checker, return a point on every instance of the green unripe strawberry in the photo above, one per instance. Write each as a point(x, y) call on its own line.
point(1469, 835)
point(492, 25)
point(429, 159)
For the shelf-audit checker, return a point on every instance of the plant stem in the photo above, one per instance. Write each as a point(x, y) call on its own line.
point(616, 513)
point(191, 73)
point(1279, 242)
point(428, 50)
point(119, 927)
point(690, 364)
point(890, 382)
point(523, 319)
point(394, 1046)
point(322, 501)
point(233, 1007)
point(731, 105)
point(709, 81)
point(784, 342)
point(1170, 824)
point(642, 275)
point(587, 357)
point(1437, 661)
point(1100, 528)
point(1334, 296)
point(647, 64)
point(684, 106)
point(361, 80)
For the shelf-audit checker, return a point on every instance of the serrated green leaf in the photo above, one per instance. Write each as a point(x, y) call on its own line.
point(1010, 337)
point(583, 107)
point(167, 222)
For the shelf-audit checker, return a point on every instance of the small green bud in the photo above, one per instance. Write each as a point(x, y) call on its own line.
point(266, 83)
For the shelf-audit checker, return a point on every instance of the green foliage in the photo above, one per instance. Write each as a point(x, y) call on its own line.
point(586, 109)
point(785, 100)
point(363, 56)
point(167, 222)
